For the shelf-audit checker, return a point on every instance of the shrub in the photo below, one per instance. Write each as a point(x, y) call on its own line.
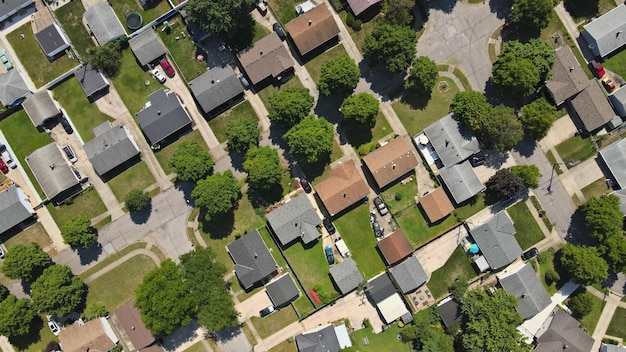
point(581, 304)
point(398, 196)
point(350, 19)
point(534, 265)
point(357, 25)
point(542, 257)
point(552, 276)
point(94, 310)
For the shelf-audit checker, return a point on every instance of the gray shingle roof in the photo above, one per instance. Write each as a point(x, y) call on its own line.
point(267, 57)
point(380, 287)
point(568, 77)
point(319, 340)
point(282, 290)
point(614, 157)
point(295, 219)
point(606, 33)
point(52, 40)
point(621, 194)
point(450, 311)
point(14, 208)
point(104, 23)
point(51, 170)
point(526, 287)
point(563, 334)
point(12, 87)
point(146, 46)
point(612, 348)
point(253, 261)
point(592, 107)
point(461, 181)
point(111, 149)
point(164, 117)
point(618, 98)
point(40, 107)
point(9, 8)
point(346, 275)
point(358, 6)
point(216, 87)
point(91, 80)
point(409, 275)
point(452, 143)
point(496, 240)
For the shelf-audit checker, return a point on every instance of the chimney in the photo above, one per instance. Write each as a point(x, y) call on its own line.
point(310, 22)
point(344, 195)
point(158, 112)
point(260, 52)
point(255, 255)
point(447, 142)
point(571, 69)
point(393, 166)
point(132, 328)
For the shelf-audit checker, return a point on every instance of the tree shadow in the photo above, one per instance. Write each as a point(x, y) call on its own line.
point(328, 107)
point(142, 216)
point(415, 100)
point(23, 342)
point(501, 8)
point(264, 197)
point(582, 8)
point(241, 36)
point(237, 159)
point(356, 133)
point(218, 227)
point(526, 147)
point(442, 5)
point(381, 80)
point(316, 169)
point(495, 159)
point(89, 255)
point(577, 230)
point(186, 188)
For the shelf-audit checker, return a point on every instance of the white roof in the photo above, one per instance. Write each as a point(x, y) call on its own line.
point(342, 248)
point(482, 264)
point(342, 336)
point(392, 308)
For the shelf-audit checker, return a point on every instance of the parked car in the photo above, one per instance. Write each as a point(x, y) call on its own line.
point(530, 253)
point(5, 60)
point(167, 68)
point(305, 185)
point(66, 126)
point(279, 30)
point(76, 172)
point(328, 224)
point(69, 152)
point(54, 327)
point(608, 84)
point(266, 311)
point(3, 167)
point(596, 68)
point(378, 232)
point(329, 255)
point(8, 159)
point(244, 81)
point(477, 160)
point(1, 252)
point(158, 75)
point(380, 205)
point(262, 7)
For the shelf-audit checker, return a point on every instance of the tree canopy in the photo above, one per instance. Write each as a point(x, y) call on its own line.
point(106, 57)
point(136, 200)
point(471, 109)
point(192, 163)
point(25, 262)
point(394, 45)
point(425, 334)
point(78, 232)
point(603, 219)
point(218, 16)
point(339, 76)
point(217, 194)
point(290, 105)
point(263, 167)
point(398, 12)
point(16, 316)
point(528, 174)
point(311, 139)
point(538, 117)
point(423, 76)
point(581, 303)
point(532, 14)
point(361, 108)
point(94, 310)
point(243, 133)
point(584, 263)
point(501, 130)
point(58, 291)
point(504, 184)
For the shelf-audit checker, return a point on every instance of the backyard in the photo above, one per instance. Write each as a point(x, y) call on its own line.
point(165, 154)
point(219, 124)
point(590, 320)
point(137, 176)
point(274, 322)
point(617, 327)
point(362, 137)
point(596, 189)
point(314, 66)
point(35, 233)
point(270, 90)
point(458, 265)
point(70, 17)
point(383, 341)
point(401, 195)
point(131, 82)
point(124, 7)
point(88, 203)
point(527, 231)
point(37, 339)
point(182, 49)
point(575, 150)
point(284, 10)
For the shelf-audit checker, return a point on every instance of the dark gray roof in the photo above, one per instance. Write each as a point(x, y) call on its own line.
point(409, 275)
point(525, 286)
point(12, 87)
point(111, 148)
point(607, 31)
point(40, 107)
point(568, 77)
point(380, 287)
point(295, 219)
point(621, 194)
point(496, 240)
point(450, 311)
point(103, 23)
point(253, 261)
point(9, 8)
point(612, 348)
point(90, 79)
point(14, 208)
point(51, 170)
point(563, 334)
point(146, 46)
point(461, 181)
point(592, 107)
point(614, 157)
point(282, 290)
point(52, 40)
point(452, 143)
point(216, 87)
point(346, 275)
point(163, 117)
point(319, 340)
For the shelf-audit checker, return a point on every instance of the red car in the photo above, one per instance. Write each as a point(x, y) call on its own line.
point(3, 167)
point(596, 68)
point(167, 68)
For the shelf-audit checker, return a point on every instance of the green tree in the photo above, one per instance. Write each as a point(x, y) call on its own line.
point(584, 263)
point(78, 232)
point(532, 14)
point(398, 12)
point(4, 292)
point(25, 262)
point(107, 58)
point(540, 53)
point(581, 304)
point(552, 275)
point(263, 167)
point(218, 16)
point(394, 45)
point(339, 76)
point(459, 288)
point(136, 200)
point(528, 174)
point(613, 249)
point(504, 185)
point(603, 216)
point(538, 117)
point(361, 108)
point(94, 310)
point(311, 139)
point(243, 133)
point(217, 194)
point(192, 163)
point(423, 76)
point(290, 105)
point(58, 291)
point(16, 316)
point(471, 109)
point(501, 130)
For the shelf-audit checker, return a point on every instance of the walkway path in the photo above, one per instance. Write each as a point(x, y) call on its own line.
point(142, 251)
point(611, 302)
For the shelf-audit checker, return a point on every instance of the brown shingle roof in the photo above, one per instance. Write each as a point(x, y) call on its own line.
point(359, 6)
point(395, 247)
point(312, 29)
point(88, 337)
point(568, 77)
point(592, 107)
point(391, 161)
point(436, 205)
point(130, 319)
point(342, 188)
point(267, 57)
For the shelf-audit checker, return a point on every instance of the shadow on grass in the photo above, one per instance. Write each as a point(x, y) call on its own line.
point(218, 227)
point(328, 107)
point(242, 35)
point(582, 8)
point(261, 198)
point(316, 169)
point(357, 133)
point(25, 341)
point(142, 216)
point(414, 100)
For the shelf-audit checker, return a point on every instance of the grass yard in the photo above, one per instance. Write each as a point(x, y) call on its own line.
point(590, 320)
point(321, 169)
point(286, 346)
point(314, 66)
point(303, 305)
point(284, 10)
point(182, 49)
point(37, 339)
point(356, 230)
point(219, 124)
point(417, 112)
point(458, 265)
point(359, 36)
point(383, 341)
point(461, 77)
point(196, 347)
point(617, 63)
point(70, 16)
point(472, 207)
point(164, 155)
point(528, 232)
point(544, 268)
point(270, 90)
point(555, 164)
point(84, 114)
point(131, 82)
point(596, 189)
point(115, 256)
point(123, 7)
point(137, 176)
point(575, 150)
point(259, 32)
point(274, 322)
point(617, 327)
point(35, 233)
point(401, 196)
point(361, 135)
point(88, 203)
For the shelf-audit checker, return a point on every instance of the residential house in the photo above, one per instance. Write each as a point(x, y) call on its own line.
point(592, 107)
point(346, 276)
point(15, 208)
point(13, 89)
point(394, 247)
point(461, 181)
point(282, 290)
point(436, 205)
point(94, 335)
point(312, 29)
point(391, 161)
point(40, 107)
point(296, 219)
point(618, 98)
point(103, 23)
point(359, 6)
point(344, 187)
point(8, 9)
point(328, 338)
point(254, 263)
point(561, 332)
point(163, 117)
point(614, 157)
point(605, 34)
point(53, 173)
point(452, 143)
point(496, 240)
point(409, 275)
point(568, 77)
point(522, 282)
point(389, 304)
point(621, 194)
point(612, 348)
point(92, 81)
point(450, 311)
point(217, 89)
point(266, 59)
point(147, 47)
point(139, 336)
point(52, 41)
point(112, 147)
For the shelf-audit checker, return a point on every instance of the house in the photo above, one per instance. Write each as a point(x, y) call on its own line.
point(621, 194)
point(52, 41)
point(94, 335)
point(561, 332)
point(450, 311)
point(312, 29)
point(408, 275)
point(217, 89)
point(389, 304)
point(253, 261)
point(496, 240)
point(15, 208)
point(522, 282)
point(359, 6)
point(10, 8)
point(618, 98)
point(452, 143)
point(344, 187)
point(267, 58)
point(163, 117)
point(92, 81)
point(568, 77)
point(53, 173)
point(614, 156)
point(103, 23)
point(461, 181)
point(605, 34)
point(436, 205)
point(13, 89)
point(379, 288)
point(146, 46)
point(391, 161)
point(296, 219)
point(346, 276)
point(112, 147)
point(592, 107)
point(40, 107)
point(129, 319)
point(394, 247)
point(328, 338)
point(612, 348)
point(282, 290)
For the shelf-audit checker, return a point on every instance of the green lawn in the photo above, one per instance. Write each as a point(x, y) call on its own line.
point(461, 77)
point(284, 10)
point(401, 196)
point(123, 7)
point(35, 233)
point(417, 112)
point(575, 150)
point(361, 135)
point(314, 66)
point(115, 256)
point(84, 114)
point(286, 346)
point(40, 70)
point(270, 90)
point(88, 203)
point(164, 155)
point(359, 36)
point(472, 207)
point(137, 176)
point(196, 347)
point(617, 63)
point(552, 159)
point(219, 124)
point(617, 327)
point(183, 50)
point(590, 320)
point(259, 32)
point(356, 230)
point(528, 232)
point(596, 189)
point(70, 16)
point(545, 267)
point(303, 305)
point(458, 265)
point(383, 341)
point(131, 82)
point(274, 322)
point(37, 339)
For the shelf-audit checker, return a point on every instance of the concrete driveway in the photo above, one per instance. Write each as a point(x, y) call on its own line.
point(252, 305)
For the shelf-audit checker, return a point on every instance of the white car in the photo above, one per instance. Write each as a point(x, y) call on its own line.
point(69, 152)
point(9, 160)
point(54, 327)
point(158, 75)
